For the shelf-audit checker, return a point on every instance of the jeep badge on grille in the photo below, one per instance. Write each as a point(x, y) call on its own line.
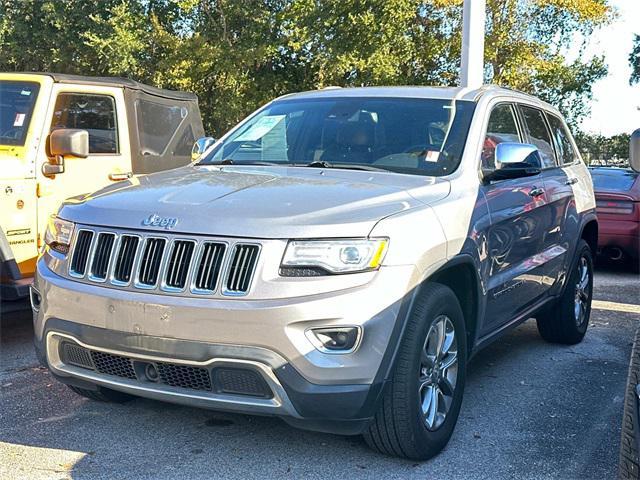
point(156, 220)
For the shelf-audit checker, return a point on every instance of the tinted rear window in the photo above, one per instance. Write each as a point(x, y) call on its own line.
point(613, 179)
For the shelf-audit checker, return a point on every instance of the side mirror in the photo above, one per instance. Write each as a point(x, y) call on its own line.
point(515, 160)
point(634, 151)
point(201, 146)
point(69, 142)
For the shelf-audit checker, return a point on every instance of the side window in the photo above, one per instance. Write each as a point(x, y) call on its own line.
point(502, 127)
point(185, 144)
point(538, 134)
point(566, 153)
point(157, 124)
point(94, 113)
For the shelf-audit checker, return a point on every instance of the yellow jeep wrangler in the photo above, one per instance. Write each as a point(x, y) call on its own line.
point(65, 135)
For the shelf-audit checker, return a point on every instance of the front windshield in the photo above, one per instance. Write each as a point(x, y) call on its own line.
point(16, 107)
point(405, 135)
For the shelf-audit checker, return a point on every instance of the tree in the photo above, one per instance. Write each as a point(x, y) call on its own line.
point(238, 54)
point(598, 147)
point(351, 42)
point(634, 61)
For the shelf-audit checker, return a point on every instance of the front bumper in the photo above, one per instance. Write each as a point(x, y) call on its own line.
point(311, 389)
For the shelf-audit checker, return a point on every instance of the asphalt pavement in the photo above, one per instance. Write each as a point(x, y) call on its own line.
point(531, 410)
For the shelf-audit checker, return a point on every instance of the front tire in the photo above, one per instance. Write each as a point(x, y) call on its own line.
point(420, 406)
point(567, 320)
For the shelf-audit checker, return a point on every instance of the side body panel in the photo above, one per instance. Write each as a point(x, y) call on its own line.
point(516, 252)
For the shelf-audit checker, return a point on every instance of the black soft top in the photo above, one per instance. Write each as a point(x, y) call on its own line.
point(118, 82)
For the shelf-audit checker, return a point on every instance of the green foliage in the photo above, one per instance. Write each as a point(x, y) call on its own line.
point(598, 147)
point(238, 54)
point(634, 61)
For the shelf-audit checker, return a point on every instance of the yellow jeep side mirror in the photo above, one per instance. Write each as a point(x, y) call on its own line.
point(69, 142)
point(62, 143)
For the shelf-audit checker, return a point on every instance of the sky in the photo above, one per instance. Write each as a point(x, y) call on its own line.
point(615, 106)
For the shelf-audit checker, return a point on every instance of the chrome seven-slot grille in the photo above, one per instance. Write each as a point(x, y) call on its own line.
point(148, 261)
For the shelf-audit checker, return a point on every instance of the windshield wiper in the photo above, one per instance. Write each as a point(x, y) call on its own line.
point(344, 166)
point(230, 161)
point(319, 164)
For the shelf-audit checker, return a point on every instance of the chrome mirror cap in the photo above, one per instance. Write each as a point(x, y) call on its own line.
point(514, 160)
point(510, 154)
point(201, 146)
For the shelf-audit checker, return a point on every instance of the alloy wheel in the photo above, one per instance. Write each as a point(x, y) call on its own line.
point(581, 301)
point(438, 372)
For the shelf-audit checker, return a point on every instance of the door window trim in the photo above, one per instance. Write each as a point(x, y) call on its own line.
point(567, 133)
point(547, 126)
point(519, 128)
point(115, 110)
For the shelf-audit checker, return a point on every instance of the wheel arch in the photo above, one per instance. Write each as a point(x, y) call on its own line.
point(460, 274)
point(589, 233)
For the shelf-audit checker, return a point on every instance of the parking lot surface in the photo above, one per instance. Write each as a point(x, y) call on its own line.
point(531, 410)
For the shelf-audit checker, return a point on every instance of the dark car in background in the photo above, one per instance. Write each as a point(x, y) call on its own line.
point(617, 193)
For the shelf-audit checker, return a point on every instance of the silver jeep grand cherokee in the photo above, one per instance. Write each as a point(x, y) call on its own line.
point(334, 260)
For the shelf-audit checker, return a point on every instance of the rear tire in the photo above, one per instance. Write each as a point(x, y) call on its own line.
point(566, 321)
point(421, 403)
point(103, 394)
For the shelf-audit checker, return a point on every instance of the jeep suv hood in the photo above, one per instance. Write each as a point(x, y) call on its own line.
point(258, 202)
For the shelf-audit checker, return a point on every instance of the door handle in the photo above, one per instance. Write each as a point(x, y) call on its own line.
point(571, 181)
point(116, 177)
point(536, 192)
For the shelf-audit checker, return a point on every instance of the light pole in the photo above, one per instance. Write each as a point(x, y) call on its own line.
point(473, 25)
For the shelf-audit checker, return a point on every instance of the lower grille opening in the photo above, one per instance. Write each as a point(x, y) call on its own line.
point(184, 376)
point(76, 355)
point(221, 380)
point(240, 381)
point(113, 365)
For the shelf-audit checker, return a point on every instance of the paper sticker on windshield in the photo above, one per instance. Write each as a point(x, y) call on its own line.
point(432, 156)
point(25, 92)
point(259, 129)
point(19, 121)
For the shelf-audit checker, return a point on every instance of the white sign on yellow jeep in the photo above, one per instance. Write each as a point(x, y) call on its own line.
point(130, 128)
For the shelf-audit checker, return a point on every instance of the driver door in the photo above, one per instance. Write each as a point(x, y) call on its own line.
point(512, 272)
point(101, 111)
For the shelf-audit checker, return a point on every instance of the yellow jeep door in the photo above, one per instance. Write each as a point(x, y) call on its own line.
point(101, 112)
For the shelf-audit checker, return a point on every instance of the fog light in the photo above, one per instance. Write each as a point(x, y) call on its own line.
point(151, 372)
point(335, 340)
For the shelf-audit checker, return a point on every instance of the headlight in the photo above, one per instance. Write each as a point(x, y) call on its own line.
point(322, 257)
point(58, 234)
